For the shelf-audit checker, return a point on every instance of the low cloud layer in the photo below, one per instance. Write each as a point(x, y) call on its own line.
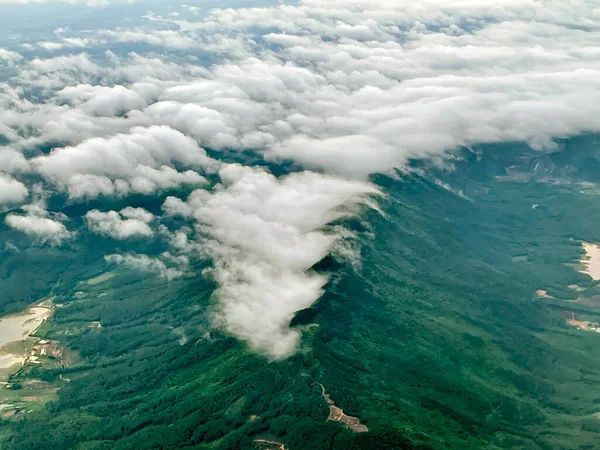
point(343, 88)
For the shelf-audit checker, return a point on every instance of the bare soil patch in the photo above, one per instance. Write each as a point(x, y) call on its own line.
point(337, 415)
point(591, 260)
point(265, 444)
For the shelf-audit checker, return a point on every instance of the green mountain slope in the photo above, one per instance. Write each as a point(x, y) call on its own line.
point(434, 338)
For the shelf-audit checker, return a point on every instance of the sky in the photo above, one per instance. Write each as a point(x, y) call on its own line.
point(128, 96)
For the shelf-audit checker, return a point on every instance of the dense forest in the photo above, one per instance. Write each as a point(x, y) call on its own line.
point(435, 337)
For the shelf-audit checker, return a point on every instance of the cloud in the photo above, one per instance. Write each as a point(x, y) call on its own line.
point(139, 214)
point(264, 234)
point(129, 223)
point(145, 263)
point(65, 42)
point(12, 161)
point(77, 63)
point(39, 224)
point(102, 100)
point(344, 88)
point(139, 161)
point(11, 190)
point(378, 98)
point(8, 55)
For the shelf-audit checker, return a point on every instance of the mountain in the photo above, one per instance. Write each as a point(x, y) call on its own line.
point(429, 331)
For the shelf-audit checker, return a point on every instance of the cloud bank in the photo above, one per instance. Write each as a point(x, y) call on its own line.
point(343, 89)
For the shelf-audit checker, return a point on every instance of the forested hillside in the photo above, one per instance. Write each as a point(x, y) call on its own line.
point(430, 330)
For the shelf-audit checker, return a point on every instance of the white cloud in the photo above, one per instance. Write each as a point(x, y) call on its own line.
point(9, 55)
point(66, 42)
point(377, 98)
point(145, 263)
point(135, 162)
point(80, 63)
point(102, 100)
point(348, 87)
point(113, 224)
point(140, 214)
point(12, 161)
point(11, 190)
point(264, 234)
point(38, 224)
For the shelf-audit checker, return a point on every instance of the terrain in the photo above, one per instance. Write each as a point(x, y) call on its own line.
point(434, 337)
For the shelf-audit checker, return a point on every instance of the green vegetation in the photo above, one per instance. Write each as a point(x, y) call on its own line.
point(437, 340)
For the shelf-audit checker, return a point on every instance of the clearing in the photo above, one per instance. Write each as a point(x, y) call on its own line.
point(591, 260)
point(337, 415)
